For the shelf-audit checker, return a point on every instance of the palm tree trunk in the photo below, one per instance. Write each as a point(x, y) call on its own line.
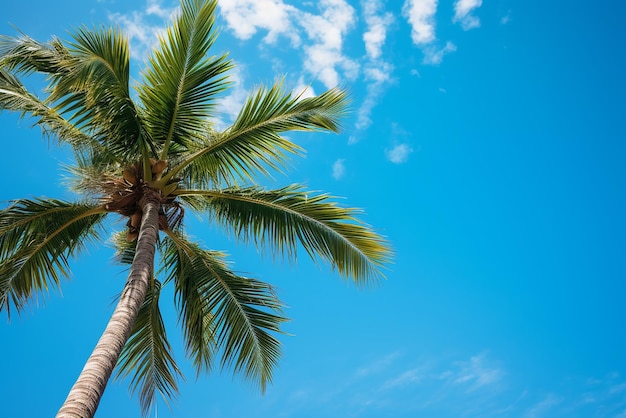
point(85, 395)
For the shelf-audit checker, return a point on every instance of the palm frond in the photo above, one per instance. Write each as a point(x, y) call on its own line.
point(95, 91)
point(199, 327)
point(15, 97)
point(148, 356)
point(222, 310)
point(253, 144)
point(182, 81)
point(26, 55)
point(281, 218)
point(37, 238)
point(124, 249)
point(97, 174)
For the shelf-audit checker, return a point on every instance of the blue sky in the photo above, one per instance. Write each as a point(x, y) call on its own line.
point(486, 141)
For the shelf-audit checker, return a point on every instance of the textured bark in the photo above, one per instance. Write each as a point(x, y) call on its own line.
point(85, 395)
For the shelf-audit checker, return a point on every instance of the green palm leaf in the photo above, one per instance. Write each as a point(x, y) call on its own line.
point(223, 311)
point(124, 250)
point(148, 356)
point(182, 81)
point(95, 91)
point(14, 96)
point(253, 143)
point(26, 55)
point(282, 218)
point(37, 238)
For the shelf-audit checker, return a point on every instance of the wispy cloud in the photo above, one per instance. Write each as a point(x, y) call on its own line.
point(142, 27)
point(399, 154)
point(379, 365)
point(434, 55)
point(377, 72)
point(320, 36)
point(246, 17)
point(229, 106)
point(376, 76)
point(421, 17)
point(541, 408)
point(476, 372)
point(408, 377)
point(324, 57)
point(155, 8)
point(463, 13)
point(339, 169)
point(377, 25)
point(402, 383)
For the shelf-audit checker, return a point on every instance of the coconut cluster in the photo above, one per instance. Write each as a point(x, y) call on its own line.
point(129, 190)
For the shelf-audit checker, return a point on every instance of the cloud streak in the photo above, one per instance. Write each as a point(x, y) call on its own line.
point(246, 17)
point(477, 373)
point(339, 169)
point(421, 17)
point(143, 34)
point(377, 25)
point(377, 72)
point(409, 377)
point(324, 57)
point(434, 55)
point(463, 13)
point(399, 154)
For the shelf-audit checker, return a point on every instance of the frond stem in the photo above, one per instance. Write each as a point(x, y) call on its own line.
point(187, 161)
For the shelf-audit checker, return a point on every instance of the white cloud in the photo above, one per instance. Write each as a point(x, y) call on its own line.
point(322, 34)
point(434, 55)
point(245, 17)
point(406, 378)
point(399, 154)
point(463, 13)
point(377, 25)
point(143, 34)
point(154, 8)
point(339, 169)
point(363, 116)
point(379, 365)
point(321, 62)
point(421, 17)
point(230, 105)
point(377, 75)
point(327, 31)
point(542, 407)
point(376, 72)
point(477, 373)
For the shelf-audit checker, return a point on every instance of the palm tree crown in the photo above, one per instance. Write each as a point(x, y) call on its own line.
point(149, 152)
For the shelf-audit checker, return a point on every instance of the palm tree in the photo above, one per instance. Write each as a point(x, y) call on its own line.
point(149, 153)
